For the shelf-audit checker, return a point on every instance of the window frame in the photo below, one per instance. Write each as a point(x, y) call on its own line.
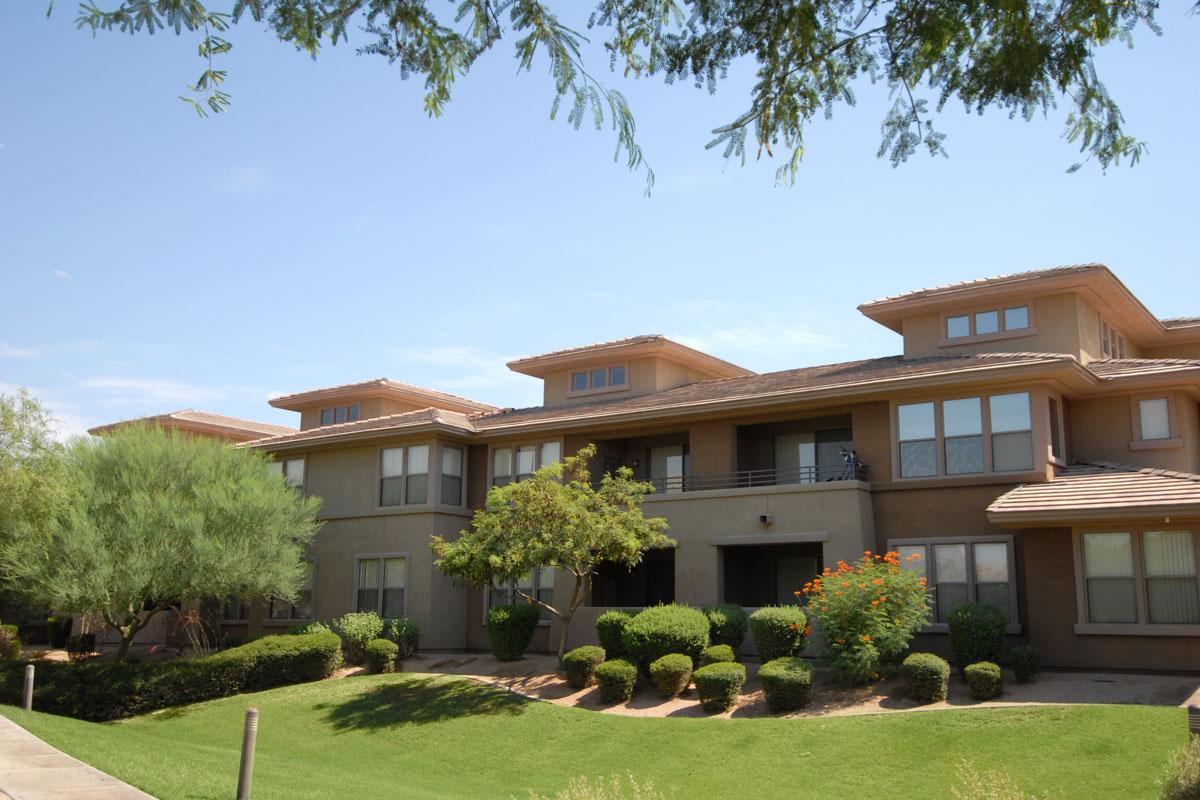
point(608, 386)
point(281, 465)
point(538, 446)
point(1175, 440)
point(242, 618)
point(1002, 331)
point(928, 542)
point(381, 557)
point(939, 429)
point(1057, 403)
point(536, 572)
point(1143, 626)
point(1112, 341)
point(404, 475)
point(291, 618)
point(351, 412)
point(462, 476)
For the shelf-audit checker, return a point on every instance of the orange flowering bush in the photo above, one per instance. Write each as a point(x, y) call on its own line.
point(868, 612)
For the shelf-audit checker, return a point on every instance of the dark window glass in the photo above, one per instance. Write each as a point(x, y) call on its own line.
point(616, 376)
point(352, 414)
point(763, 575)
point(651, 582)
point(326, 416)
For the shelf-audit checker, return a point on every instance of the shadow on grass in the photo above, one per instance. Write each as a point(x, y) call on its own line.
point(419, 701)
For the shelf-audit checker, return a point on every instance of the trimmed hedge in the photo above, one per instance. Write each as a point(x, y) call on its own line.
point(927, 677)
point(985, 679)
point(778, 631)
point(718, 685)
point(671, 674)
point(976, 633)
point(787, 683)
point(381, 656)
point(404, 633)
point(616, 679)
point(358, 628)
point(728, 624)
point(104, 691)
point(580, 665)
point(511, 629)
point(717, 654)
point(610, 628)
point(662, 630)
point(1027, 662)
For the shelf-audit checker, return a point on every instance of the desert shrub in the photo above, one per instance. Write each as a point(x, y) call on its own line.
point(616, 679)
point(926, 676)
point(10, 643)
point(787, 683)
point(778, 631)
point(99, 691)
point(604, 789)
point(381, 655)
point(868, 612)
point(316, 626)
point(580, 665)
point(1027, 662)
point(610, 629)
point(728, 624)
point(718, 685)
point(976, 633)
point(357, 629)
point(58, 629)
point(511, 629)
point(80, 646)
point(717, 654)
point(671, 674)
point(661, 630)
point(404, 633)
point(991, 785)
point(985, 679)
point(1182, 781)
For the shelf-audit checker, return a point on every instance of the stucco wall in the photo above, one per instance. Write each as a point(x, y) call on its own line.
point(1056, 321)
point(1102, 430)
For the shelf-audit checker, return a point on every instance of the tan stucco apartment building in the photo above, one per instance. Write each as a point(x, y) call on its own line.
point(1037, 443)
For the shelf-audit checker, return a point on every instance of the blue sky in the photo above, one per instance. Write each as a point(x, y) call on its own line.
point(324, 230)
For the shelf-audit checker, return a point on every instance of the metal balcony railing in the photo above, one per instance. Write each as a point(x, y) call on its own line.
point(852, 470)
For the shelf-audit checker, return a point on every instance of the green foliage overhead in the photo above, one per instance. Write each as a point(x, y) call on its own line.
point(153, 519)
point(1019, 57)
point(555, 518)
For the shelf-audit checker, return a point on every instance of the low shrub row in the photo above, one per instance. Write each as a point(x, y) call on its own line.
point(928, 678)
point(662, 630)
point(104, 691)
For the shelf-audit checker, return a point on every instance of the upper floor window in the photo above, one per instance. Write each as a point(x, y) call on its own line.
point(598, 378)
point(958, 440)
point(404, 475)
point(1154, 416)
point(522, 461)
point(667, 467)
point(452, 475)
point(339, 414)
point(292, 469)
point(1112, 343)
point(989, 322)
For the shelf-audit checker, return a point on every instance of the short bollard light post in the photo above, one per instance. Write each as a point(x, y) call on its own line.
point(1194, 720)
point(27, 703)
point(249, 735)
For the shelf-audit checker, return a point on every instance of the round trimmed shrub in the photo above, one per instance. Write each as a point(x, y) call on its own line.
point(671, 674)
point(381, 656)
point(926, 676)
point(661, 630)
point(511, 629)
point(404, 632)
point(717, 654)
point(778, 631)
point(358, 628)
point(1027, 662)
point(985, 679)
point(616, 679)
point(718, 685)
point(580, 665)
point(728, 624)
point(610, 628)
point(976, 633)
point(787, 683)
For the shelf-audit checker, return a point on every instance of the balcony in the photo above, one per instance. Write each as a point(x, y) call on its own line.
point(850, 470)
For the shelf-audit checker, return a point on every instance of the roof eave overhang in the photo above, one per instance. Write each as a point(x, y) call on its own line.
point(311, 442)
point(1068, 517)
point(301, 401)
point(540, 366)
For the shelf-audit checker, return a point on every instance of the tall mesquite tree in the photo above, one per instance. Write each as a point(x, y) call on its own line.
point(1021, 57)
point(555, 518)
point(153, 519)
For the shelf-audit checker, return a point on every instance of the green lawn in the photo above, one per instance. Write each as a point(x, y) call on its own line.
point(421, 736)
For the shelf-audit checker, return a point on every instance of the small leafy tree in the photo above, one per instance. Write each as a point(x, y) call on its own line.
point(152, 520)
point(555, 518)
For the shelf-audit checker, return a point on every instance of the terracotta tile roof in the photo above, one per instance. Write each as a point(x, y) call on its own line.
point(204, 418)
point(433, 396)
point(853, 374)
point(650, 344)
point(1100, 488)
point(1114, 368)
point(995, 280)
point(397, 423)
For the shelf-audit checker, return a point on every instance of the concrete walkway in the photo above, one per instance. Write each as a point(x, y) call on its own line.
point(30, 769)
